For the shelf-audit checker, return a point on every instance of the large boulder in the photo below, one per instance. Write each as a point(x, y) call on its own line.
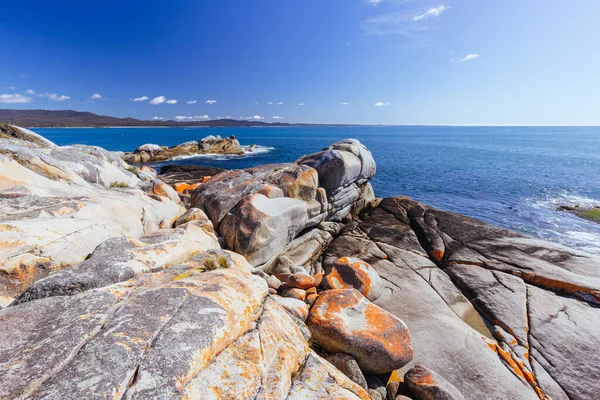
point(221, 197)
point(344, 321)
point(342, 164)
point(259, 226)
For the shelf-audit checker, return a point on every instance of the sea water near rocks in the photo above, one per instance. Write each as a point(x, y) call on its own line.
point(513, 177)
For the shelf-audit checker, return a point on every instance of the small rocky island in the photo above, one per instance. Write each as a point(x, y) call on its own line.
point(213, 144)
point(283, 281)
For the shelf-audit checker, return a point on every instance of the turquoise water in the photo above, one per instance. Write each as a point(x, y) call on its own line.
point(514, 177)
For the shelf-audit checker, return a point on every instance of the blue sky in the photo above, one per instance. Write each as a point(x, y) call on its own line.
point(335, 61)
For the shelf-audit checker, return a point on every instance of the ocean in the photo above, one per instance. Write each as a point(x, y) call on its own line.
point(514, 177)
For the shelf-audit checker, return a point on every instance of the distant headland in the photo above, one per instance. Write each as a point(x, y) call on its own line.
point(79, 119)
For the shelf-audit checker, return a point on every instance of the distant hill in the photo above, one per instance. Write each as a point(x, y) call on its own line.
point(72, 119)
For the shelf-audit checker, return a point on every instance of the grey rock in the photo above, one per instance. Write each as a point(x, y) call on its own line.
point(348, 365)
point(426, 384)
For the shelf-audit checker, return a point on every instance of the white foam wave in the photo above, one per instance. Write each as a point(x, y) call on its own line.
point(564, 198)
point(249, 151)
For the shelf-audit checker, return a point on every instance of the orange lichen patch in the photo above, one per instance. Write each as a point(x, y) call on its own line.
point(311, 298)
point(148, 169)
point(425, 379)
point(6, 227)
point(518, 368)
point(205, 179)
point(187, 274)
point(396, 376)
point(311, 290)
point(318, 279)
point(64, 211)
point(436, 255)
point(294, 293)
point(560, 286)
point(348, 273)
point(345, 321)
point(301, 281)
point(11, 244)
point(183, 188)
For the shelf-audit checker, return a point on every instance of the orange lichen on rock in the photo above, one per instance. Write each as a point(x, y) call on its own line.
point(436, 255)
point(518, 368)
point(183, 187)
point(345, 321)
point(354, 273)
point(301, 281)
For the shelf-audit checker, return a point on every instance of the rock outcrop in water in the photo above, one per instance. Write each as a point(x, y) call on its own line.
point(208, 145)
point(285, 281)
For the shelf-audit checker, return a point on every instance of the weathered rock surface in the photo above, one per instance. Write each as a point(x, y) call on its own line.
point(210, 333)
point(228, 199)
point(174, 174)
point(533, 295)
point(259, 226)
point(344, 321)
point(58, 203)
point(353, 273)
point(208, 145)
point(426, 384)
point(348, 365)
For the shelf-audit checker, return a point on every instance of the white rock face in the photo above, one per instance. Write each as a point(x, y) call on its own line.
point(57, 205)
point(259, 226)
point(148, 148)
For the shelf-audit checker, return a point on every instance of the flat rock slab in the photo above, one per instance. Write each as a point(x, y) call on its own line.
point(173, 174)
point(539, 301)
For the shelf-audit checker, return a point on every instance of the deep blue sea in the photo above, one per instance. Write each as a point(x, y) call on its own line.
point(514, 177)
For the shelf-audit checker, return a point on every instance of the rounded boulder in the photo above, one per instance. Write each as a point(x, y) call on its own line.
point(343, 320)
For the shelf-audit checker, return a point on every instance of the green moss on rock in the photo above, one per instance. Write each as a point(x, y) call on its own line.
point(592, 214)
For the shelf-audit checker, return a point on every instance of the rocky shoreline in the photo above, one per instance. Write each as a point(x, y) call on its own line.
point(283, 281)
point(208, 145)
point(589, 213)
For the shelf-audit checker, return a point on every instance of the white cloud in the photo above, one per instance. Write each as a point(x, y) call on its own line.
point(192, 102)
point(158, 118)
point(373, 2)
point(277, 117)
point(182, 118)
point(431, 12)
point(469, 57)
point(143, 98)
point(227, 117)
point(211, 101)
point(96, 96)
point(55, 97)
point(301, 104)
point(14, 98)
point(160, 100)
point(11, 88)
point(30, 91)
point(345, 104)
point(270, 103)
point(400, 22)
point(381, 104)
point(25, 76)
point(280, 103)
point(255, 117)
